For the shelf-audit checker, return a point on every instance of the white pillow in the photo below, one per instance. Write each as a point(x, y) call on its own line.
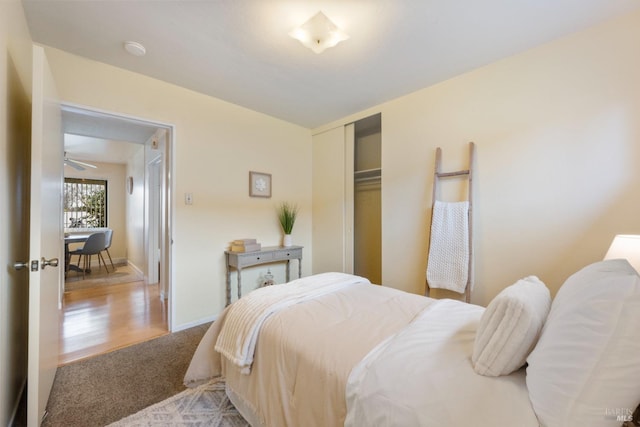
point(585, 369)
point(510, 327)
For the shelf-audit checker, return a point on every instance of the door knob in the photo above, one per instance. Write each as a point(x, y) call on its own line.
point(20, 265)
point(33, 265)
point(53, 262)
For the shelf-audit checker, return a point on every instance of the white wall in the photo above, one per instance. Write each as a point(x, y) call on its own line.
point(216, 145)
point(15, 126)
point(114, 174)
point(368, 151)
point(558, 141)
point(135, 212)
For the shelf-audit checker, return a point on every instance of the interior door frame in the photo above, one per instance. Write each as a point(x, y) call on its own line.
point(349, 197)
point(168, 191)
point(154, 221)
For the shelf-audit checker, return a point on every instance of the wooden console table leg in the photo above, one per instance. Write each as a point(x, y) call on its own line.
point(299, 268)
point(239, 283)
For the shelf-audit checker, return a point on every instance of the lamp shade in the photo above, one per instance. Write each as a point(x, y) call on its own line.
point(625, 246)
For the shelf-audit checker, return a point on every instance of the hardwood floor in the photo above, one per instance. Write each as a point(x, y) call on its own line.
point(106, 314)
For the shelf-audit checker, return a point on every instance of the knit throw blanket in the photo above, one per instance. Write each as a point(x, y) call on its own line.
point(237, 339)
point(448, 263)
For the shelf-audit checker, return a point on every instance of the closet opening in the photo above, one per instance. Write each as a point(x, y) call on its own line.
point(367, 202)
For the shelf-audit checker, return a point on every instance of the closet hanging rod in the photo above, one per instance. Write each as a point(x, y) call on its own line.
point(364, 171)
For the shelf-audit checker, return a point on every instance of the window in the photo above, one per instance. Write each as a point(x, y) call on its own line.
point(85, 203)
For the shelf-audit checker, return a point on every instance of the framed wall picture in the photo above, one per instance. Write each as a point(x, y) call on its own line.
point(259, 184)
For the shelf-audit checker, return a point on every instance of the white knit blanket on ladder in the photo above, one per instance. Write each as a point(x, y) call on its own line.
point(448, 263)
point(237, 339)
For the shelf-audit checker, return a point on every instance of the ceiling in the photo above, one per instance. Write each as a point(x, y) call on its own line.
point(81, 122)
point(101, 150)
point(240, 51)
point(102, 137)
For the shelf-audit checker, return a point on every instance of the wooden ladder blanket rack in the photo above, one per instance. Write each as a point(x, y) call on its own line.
point(468, 175)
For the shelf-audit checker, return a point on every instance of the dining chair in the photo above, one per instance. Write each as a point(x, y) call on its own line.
point(94, 245)
point(107, 244)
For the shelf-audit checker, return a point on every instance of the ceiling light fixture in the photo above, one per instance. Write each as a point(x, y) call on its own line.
point(135, 48)
point(318, 33)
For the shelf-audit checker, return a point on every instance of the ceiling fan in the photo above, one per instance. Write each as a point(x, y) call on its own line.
point(77, 164)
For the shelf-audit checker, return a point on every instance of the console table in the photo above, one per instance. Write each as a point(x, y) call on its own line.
point(269, 254)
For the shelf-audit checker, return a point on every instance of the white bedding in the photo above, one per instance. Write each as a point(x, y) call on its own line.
point(237, 340)
point(423, 376)
point(307, 353)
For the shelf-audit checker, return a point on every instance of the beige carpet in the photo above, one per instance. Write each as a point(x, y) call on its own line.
point(106, 388)
point(99, 277)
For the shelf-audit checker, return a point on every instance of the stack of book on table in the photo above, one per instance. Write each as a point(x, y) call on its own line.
point(245, 245)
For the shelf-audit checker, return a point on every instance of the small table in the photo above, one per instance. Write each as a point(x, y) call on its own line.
point(269, 254)
point(72, 238)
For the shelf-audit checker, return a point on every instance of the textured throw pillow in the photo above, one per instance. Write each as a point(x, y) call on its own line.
point(510, 326)
point(585, 369)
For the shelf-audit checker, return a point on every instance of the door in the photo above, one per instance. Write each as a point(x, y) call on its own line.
point(45, 240)
point(332, 206)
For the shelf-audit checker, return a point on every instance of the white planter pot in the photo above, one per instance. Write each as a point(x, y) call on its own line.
point(287, 241)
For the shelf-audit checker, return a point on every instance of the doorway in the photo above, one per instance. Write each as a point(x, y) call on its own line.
point(134, 157)
point(367, 198)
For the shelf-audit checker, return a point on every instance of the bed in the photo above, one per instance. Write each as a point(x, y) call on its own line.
point(358, 354)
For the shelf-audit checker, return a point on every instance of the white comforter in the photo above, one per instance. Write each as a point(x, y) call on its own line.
point(422, 376)
point(366, 355)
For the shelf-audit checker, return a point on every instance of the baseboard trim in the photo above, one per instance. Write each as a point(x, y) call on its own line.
point(96, 264)
point(195, 323)
point(135, 267)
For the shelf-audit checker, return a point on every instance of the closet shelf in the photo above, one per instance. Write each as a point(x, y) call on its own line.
point(368, 175)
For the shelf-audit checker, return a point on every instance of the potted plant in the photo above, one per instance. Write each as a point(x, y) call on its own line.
point(287, 214)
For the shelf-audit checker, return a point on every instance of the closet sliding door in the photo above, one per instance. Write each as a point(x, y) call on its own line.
point(332, 206)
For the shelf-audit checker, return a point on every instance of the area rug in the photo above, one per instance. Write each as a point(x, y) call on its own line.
point(99, 277)
point(206, 405)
